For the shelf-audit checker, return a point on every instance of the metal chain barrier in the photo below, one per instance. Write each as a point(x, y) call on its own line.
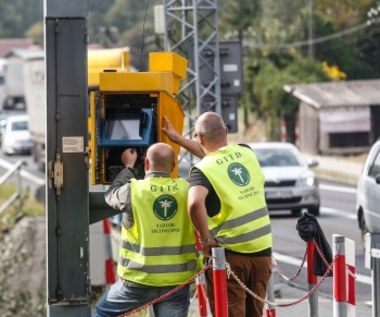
point(320, 253)
point(231, 273)
point(325, 261)
point(295, 275)
point(265, 301)
point(163, 296)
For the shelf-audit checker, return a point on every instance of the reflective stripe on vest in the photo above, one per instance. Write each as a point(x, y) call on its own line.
point(130, 264)
point(243, 223)
point(158, 250)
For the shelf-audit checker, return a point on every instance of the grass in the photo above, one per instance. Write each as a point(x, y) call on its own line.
point(13, 213)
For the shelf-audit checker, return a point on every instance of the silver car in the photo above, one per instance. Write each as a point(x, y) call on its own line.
point(289, 182)
point(368, 193)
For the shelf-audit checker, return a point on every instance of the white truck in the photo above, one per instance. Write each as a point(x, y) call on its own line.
point(2, 92)
point(13, 87)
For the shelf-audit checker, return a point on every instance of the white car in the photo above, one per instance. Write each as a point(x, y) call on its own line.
point(290, 184)
point(16, 138)
point(368, 193)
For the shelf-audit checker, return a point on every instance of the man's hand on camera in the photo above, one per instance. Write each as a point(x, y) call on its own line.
point(170, 132)
point(129, 157)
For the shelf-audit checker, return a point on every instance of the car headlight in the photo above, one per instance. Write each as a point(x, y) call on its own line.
point(308, 181)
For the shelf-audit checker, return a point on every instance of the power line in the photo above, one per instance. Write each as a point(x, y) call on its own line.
point(307, 42)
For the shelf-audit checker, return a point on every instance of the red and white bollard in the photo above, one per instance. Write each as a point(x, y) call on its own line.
point(351, 287)
point(220, 282)
point(109, 266)
point(339, 277)
point(312, 279)
point(201, 294)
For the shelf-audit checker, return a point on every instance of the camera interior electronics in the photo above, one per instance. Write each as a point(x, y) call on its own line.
point(134, 129)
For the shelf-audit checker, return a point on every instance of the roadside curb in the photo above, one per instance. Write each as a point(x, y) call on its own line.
point(336, 176)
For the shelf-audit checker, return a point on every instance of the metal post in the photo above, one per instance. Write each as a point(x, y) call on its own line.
point(200, 282)
point(270, 310)
point(19, 189)
point(339, 277)
point(373, 247)
point(350, 265)
point(312, 280)
point(201, 293)
point(220, 282)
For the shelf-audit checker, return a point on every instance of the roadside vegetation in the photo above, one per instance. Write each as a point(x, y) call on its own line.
point(30, 207)
point(15, 297)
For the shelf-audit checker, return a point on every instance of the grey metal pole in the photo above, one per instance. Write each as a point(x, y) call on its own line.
point(339, 277)
point(19, 188)
point(270, 309)
point(375, 273)
point(311, 29)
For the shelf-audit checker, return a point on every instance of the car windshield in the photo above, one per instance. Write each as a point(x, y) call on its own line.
point(19, 125)
point(277, 157)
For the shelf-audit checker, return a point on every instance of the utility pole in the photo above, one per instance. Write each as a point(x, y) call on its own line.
point(311, 28)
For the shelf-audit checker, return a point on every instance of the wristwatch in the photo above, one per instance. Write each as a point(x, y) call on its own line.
point(207, 240)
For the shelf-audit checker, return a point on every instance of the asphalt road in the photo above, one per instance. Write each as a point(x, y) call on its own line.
point(337, 217)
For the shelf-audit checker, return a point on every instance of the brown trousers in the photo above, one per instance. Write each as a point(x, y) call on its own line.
point(254, 272)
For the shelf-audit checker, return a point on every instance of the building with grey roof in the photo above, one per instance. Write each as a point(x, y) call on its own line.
point(338, 118)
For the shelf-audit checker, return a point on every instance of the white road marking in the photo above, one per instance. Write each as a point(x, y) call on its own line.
point(338, 212)
point(335, 188)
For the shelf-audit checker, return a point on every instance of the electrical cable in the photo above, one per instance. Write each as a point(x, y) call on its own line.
point(143, 33)
point(308, 42)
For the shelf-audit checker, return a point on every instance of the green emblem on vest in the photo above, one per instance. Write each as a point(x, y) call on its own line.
point(238, 174)
point(165, 207)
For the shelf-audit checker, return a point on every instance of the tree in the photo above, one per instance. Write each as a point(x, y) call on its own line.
point(9, 20)
point(127, 14)
point(274, 101)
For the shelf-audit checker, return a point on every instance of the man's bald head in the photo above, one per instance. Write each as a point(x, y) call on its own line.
point(212, 127)
point(161, 157)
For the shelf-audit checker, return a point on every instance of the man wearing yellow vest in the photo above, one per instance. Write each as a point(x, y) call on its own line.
point(158, 250)
point(227, 206)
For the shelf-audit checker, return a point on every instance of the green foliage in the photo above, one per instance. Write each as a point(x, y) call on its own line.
point(269, 84)
point(30, 207)
point(140, 46)
point(18, 15)
point(274, 33)
point(237, 16)
point(36, 32)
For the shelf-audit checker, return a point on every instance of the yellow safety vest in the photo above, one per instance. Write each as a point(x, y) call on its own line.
point(243, 223)
point(159, 249)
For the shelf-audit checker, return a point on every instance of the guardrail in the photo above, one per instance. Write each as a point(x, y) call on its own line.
point(17, 195)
